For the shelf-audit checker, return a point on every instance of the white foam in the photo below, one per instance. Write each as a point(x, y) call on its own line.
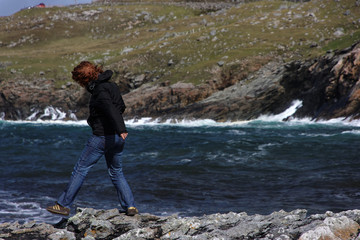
point(195, 123)
point(331, 122)
point(33, 116)
point(73, 116)
point(2, 115)
point(237, 132)
point(295, 105)
point(186, 160)
point(170, 122)
point(57, 117)
point(49, 122)
point(54, 113)
point(18, 208)
point(355, 132)
point(49, 113)
point(317, 135)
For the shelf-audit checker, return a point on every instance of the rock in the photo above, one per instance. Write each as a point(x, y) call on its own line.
point(202, 38)
point(220, 63)
point(335, 228)
point(34, 231)
point(339, 32)
point(100, 229)
point(4, 65)
point(89, 224)
point(347, 12)
point(21, 99)
point(62, 235)
point(139, 80)
point(127, 50)
point(170, 63)
point(329, 87)
point(238, 100)
point(313, 45)
point(153, 29)
point(160, 100)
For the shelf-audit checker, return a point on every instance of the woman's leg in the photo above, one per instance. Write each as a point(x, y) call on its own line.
point(92, 152)
point(114, 164)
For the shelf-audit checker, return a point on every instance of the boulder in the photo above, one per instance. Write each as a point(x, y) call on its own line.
point(335, 228)
point(93, 224)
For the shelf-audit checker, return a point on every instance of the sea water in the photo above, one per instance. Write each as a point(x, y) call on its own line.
point(189, 168)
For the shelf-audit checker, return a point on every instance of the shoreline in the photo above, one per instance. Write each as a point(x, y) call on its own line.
point(90, 223)
point(148, 121)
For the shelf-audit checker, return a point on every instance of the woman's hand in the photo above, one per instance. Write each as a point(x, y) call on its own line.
point(123, 135)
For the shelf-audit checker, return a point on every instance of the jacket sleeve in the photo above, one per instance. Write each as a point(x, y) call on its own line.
point(105, 103)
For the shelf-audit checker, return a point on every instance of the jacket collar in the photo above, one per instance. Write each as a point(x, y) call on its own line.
point(103, 77)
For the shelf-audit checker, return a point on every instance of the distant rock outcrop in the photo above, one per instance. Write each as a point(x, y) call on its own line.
point(328, 86)
point(22, 99)
point(91, 224)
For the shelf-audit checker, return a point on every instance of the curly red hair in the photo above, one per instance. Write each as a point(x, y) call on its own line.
point(86, 72)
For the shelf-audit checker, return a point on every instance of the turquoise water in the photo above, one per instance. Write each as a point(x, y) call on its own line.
point(189, 168)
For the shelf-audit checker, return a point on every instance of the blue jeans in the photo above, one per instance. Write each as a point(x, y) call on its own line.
point(97, 146)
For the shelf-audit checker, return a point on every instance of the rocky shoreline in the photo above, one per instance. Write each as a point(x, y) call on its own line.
point(328, 87)
point(90, 224)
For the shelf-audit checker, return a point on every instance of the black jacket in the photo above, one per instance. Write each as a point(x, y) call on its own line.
point(106, 106)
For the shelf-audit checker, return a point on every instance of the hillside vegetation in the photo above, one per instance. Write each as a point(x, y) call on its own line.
point(172, 41)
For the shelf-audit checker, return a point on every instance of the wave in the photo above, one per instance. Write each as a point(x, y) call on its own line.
point(317, 135)
point(52, 115)
point(295, 105)
point(355, 132)
point(47, 122)
point(170, 122)
point(284, 118)
point(15, 206)
point(275, 119)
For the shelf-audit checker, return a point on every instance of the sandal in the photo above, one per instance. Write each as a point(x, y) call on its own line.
point(132, 211)
point(58, 209)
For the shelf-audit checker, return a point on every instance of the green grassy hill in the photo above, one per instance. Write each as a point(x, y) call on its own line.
point(172, 41)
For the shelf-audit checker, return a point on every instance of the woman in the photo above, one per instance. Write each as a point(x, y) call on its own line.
point(109, 133)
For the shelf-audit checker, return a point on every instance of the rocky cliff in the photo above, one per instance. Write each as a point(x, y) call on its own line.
point(329, 87)
point(90, 224)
